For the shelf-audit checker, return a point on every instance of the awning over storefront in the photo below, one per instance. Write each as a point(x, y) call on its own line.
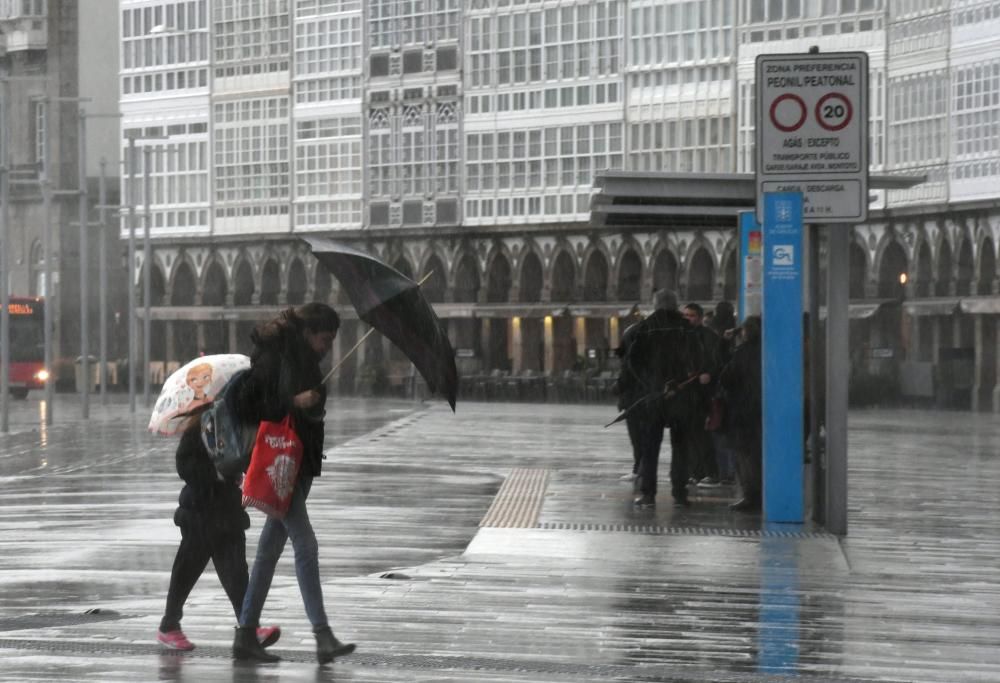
point(925, 307)
point(988, 305)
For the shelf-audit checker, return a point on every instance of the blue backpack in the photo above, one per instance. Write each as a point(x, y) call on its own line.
point(228, 439)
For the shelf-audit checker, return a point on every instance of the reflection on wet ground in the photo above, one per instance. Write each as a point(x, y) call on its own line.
point(591, 590)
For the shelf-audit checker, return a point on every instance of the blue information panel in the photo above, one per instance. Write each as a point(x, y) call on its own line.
point(782, 357)
point(750, 266)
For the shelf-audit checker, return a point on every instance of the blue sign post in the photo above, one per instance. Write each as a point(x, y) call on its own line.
point(782, 357)
point(750, 266)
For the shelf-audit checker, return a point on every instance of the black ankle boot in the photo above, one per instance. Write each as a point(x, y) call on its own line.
point(246, 646)
point(328, 647)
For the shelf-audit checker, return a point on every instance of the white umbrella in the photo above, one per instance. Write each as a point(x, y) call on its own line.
point(195, 384)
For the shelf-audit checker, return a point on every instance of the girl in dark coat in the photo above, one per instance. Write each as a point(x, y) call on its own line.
point(285, 378)
point(213, 524)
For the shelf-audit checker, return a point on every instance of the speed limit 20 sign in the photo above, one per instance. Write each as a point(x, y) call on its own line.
point(812, 133)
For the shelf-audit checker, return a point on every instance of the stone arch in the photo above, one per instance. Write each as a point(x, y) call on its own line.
point(858, 270)
point(891, 264)
point(531, 278)
point(700, 272)
point(402, 264)
point(563, 276)
point(730, 272)
point(183, 292)
point(436, 284)
point(270, 282)
point(943, 272)
point(665, 270)
point(322, 284)
point(466, 279)
point(498, 278)
point(214, 285)
point(243, 282)
point(924, 285)
point(965, 271)
point(629, 276)
point(595, 275)
point(215, 290)
point(987, 268)
point(298, 284)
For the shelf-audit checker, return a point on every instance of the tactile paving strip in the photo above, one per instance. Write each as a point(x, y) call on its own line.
point(519, 500)
point(685, 530)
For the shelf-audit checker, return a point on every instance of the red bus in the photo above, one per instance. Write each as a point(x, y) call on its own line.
point(27, 345)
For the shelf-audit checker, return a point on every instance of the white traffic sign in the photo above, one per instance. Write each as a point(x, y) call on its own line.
point(812, 133)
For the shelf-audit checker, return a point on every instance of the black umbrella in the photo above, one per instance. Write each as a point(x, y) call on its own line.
point(392, 304)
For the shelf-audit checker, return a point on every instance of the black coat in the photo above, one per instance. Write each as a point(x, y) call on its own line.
point(663, 348)
point(207, 501)
point(740, 385)
point(282, 365)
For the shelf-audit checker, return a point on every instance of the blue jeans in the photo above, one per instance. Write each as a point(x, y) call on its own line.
point(296, 526)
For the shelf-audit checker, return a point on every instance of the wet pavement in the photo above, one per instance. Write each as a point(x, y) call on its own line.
point(564, 581)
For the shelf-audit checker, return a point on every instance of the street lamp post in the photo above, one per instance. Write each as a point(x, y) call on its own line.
point(4, 263)
point(147, 155)
point(102, 267)
point(84, 279)
point(130, 289)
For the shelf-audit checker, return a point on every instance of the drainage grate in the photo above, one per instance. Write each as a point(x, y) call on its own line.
point(54, 619)
point(685, 530)
point(666, 673)
point(519, 501)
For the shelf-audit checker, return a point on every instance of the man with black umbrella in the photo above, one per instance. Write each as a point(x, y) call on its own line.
point(648, 365)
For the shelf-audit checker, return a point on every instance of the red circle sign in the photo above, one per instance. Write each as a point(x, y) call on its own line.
point(834, 111)
point(788, 119)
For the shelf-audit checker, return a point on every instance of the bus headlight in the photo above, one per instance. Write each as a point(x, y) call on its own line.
point(42, 375)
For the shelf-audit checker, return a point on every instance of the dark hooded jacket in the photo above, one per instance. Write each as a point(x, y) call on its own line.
point(207, 502)
point(282, 365)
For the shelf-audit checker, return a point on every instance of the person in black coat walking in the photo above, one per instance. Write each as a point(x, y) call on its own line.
point(213, 525)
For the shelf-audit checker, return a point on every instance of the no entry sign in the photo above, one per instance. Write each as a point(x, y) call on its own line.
point(812, 133)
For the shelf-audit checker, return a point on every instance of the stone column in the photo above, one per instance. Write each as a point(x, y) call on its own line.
point(613, 331)
point(171, 351)
point(516, 350)
point(550, 354)
point(232, 334)
point(580, 327)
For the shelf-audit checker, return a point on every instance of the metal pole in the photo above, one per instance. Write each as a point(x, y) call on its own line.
point(146, 273)
point(84, 274)
point(130, 273)
point(46, 186)
point(102, 265)
point(4, 264)
point(816, 379)
point(837, 292)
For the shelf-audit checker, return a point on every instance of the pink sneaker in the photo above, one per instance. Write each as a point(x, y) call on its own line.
point(175, 640)
point(267, 635)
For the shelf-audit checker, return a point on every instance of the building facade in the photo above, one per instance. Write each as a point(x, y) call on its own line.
point(459, 141)
point(42, 89)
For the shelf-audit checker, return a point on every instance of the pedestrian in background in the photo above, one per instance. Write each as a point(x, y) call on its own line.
point(740, 382)
point(285, 378)
point(691, 439)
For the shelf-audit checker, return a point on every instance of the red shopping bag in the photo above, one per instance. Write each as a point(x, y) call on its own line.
point(274, 468)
